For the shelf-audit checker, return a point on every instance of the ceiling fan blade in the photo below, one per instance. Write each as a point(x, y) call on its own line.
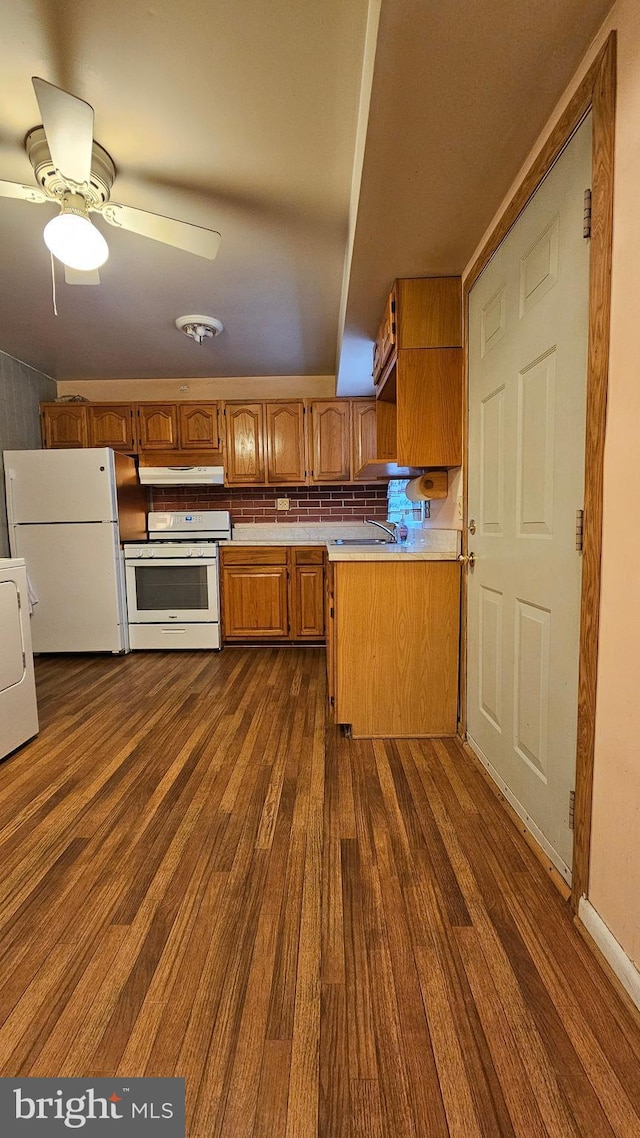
point(180, 234)
point(68, 125)
point(17, 190)
point(78, 277)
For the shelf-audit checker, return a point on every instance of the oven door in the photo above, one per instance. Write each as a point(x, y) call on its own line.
point(161, 590)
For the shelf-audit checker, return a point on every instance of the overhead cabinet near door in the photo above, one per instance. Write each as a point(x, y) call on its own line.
point(418, 372)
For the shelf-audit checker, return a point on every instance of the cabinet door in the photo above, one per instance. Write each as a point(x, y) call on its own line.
point(199, 426)
point(307, 609)
point(386, 339)
point(254, 602)
point(285, 443)
point(158, 423)
point(245, 448)
point(331, 449)
point(111, 425)
point(363, 433)
point(64, 425)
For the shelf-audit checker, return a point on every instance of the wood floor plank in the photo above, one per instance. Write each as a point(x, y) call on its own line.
point(326, 937)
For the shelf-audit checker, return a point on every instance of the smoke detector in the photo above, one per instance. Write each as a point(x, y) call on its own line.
point(199, 328)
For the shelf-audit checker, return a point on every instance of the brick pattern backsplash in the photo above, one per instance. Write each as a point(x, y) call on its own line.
point(258, 504)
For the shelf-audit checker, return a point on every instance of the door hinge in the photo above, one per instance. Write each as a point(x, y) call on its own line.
point(579, 531)
point(572, 809)
point(19, 601)
point(586, 218)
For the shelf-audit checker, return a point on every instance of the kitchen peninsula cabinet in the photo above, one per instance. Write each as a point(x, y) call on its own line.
point(392, 650)
point(272, 593)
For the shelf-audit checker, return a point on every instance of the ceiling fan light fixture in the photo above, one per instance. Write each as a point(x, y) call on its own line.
point(73, 239)
point(199, 328)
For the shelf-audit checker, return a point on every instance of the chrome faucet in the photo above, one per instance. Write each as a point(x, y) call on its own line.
point(371, 522)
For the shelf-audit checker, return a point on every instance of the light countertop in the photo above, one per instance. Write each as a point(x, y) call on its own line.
point(387, 553)
point(425, 544)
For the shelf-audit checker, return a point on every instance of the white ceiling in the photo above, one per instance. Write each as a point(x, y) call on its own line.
point(241, 115)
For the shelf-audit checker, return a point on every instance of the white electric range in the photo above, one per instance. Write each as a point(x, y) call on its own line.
point(173, 589)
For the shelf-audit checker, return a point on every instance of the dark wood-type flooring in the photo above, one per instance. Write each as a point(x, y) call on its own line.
point(325, 937)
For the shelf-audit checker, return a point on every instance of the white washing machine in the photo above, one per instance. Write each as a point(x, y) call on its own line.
point(18, 709)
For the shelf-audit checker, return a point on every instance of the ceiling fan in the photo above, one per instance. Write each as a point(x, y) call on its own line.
point(77, 174)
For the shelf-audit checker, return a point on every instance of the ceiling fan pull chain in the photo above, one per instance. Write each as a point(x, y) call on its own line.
point(53, 285)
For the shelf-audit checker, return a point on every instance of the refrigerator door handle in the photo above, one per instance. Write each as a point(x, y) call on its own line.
point(10, 512)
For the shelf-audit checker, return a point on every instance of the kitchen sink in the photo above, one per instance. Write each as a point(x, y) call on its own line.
point(361, 541)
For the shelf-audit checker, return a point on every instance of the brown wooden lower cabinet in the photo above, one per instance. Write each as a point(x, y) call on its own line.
point(392, 650)
point(273, 593)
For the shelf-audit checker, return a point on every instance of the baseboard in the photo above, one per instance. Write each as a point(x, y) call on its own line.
point(620, 964)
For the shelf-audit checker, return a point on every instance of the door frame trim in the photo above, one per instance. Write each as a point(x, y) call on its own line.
point(596, 93)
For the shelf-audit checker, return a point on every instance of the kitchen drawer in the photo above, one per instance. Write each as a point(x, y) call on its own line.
point(306, 555)
point(254, 555)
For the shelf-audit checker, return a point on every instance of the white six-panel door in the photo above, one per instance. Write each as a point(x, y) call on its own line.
point(528, 325)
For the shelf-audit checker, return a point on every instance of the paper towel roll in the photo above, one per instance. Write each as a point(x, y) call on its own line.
point(434, 484)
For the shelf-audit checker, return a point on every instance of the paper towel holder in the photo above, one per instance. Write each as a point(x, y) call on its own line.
point(430, 484)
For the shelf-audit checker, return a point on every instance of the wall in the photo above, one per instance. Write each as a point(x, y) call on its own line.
point(232, 387)
point(21, 390)
point(614, 887)
point(258, 504)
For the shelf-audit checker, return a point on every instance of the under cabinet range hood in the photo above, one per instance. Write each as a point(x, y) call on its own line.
point(181, 475)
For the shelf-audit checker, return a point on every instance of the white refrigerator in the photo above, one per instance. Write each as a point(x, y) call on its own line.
point(62, 508)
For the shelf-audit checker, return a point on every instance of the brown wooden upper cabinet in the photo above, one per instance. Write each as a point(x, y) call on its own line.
point(64, 425)
point(285, 443)
point(278, 443)
point(386, 339)
point(363, 433)
point(112, 425)
point(420, 382)
point(158, 426)
point(245, 464)
point(331, 440)
point(421, 312)
point(199, 427)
